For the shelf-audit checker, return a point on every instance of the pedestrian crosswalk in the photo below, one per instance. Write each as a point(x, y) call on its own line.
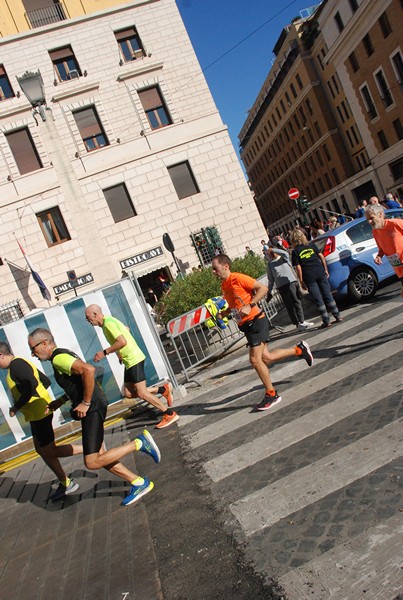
point(279, 439)
point(311, 487)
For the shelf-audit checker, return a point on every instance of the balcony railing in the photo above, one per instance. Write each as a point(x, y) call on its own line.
point(46, 16)
point(10, 312)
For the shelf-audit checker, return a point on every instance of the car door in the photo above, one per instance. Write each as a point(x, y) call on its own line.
point(364, 249)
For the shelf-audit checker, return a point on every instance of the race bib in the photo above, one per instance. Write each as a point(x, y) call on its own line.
point(236, 315)
point(394, 260)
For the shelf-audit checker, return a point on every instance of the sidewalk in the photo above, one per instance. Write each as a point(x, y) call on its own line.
point(170, 545)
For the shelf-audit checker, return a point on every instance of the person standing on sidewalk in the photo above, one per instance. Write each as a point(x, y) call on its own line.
point(89, 404)
point(28, 387)
point(281, 274)
point(242, 294)
point(122, 342)
point(311, 268)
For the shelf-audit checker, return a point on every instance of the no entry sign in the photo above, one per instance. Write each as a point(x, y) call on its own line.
point(293, 193)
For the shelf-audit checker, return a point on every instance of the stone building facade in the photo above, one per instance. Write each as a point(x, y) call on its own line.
point(364, 45)
point(132, 147)
point(309, 126)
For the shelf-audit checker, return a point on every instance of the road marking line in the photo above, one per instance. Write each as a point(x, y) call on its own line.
point(245, 416)
point(288, 370)
point(274, 441)
point(302, 488)
point(371, 561)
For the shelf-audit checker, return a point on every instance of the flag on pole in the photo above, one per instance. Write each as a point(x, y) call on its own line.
point(37, 278)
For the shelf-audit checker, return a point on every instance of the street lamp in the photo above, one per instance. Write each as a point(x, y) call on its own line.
point(32, 86)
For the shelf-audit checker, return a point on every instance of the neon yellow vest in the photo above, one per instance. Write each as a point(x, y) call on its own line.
point(34, 409)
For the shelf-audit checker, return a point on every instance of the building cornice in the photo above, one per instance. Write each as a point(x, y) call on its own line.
point(75, 91)
point(140, 71)
point(15, 110)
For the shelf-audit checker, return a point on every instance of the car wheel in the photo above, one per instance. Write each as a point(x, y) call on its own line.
point(362, 283)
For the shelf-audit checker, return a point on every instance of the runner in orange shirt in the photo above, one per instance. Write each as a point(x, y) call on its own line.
point(242, 294)
point(388, 234)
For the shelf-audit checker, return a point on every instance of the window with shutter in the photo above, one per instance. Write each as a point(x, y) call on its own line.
point(154, 107)
point(90, 128)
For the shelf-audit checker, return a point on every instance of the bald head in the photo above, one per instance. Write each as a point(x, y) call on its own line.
point(94, 315)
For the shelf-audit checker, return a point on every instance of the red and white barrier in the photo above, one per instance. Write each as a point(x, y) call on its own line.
point(188, 320)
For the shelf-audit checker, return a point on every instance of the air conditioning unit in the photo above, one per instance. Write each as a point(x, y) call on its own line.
point(137, 54)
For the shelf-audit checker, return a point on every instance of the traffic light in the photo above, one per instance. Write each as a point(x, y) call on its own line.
point(303, 204)
point(213, 237)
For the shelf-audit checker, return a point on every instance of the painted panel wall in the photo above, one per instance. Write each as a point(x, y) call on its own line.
point(70, 330)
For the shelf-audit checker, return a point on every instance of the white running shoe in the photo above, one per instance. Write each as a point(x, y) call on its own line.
point(304, 325)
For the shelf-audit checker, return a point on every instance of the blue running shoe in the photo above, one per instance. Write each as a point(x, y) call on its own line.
point(137, 492)
point(149, 446)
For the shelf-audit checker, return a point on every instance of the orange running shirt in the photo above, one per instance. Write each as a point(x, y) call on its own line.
point(238, 292)
point(389, 240)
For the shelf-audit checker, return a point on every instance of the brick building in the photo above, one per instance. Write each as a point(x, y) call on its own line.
point(309, 128)
point(364, 45)
point(132, 147)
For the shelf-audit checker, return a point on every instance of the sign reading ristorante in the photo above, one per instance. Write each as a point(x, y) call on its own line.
point(68, 286)
point(137, 259)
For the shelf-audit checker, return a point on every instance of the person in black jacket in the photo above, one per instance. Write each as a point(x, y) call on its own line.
point(28, 387)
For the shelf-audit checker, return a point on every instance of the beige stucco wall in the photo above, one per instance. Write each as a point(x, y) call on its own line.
point(73, 179)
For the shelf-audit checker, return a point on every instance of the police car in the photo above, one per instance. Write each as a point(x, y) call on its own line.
point(349, 251)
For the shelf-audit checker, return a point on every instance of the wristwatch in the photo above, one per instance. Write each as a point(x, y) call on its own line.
point(252, 304)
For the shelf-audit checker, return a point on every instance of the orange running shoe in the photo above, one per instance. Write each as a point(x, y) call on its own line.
point(167, 420)
point(167, 393)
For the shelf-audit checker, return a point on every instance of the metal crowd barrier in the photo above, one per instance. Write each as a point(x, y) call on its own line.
point(195, 343)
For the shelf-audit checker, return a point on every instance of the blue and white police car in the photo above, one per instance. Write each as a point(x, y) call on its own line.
point(349, 251)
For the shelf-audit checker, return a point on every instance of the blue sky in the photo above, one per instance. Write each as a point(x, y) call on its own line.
point(215, 27)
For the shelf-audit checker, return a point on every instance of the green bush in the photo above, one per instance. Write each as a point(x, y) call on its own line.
point(252, 265)
point(194, 289)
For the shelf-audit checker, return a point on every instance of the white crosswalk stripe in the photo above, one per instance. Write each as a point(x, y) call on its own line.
point(322, 581)
point(319, 479)
point(339, 573)
point(274, 441)
point(243, 417)
point(284, 371)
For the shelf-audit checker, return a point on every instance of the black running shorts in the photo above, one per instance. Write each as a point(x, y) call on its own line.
point(93, 431)
point(42, 431)
point(256, 331)
point(135, 374)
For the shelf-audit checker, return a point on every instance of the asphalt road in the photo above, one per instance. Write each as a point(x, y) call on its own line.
point(309, 493)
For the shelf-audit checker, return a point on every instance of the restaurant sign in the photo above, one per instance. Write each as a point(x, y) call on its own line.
point(138, 259)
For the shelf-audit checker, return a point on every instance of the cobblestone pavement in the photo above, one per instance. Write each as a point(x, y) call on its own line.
point(318, 475)
point(302, 501)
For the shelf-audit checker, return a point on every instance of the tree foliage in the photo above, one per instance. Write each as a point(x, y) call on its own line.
point(194, 289)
